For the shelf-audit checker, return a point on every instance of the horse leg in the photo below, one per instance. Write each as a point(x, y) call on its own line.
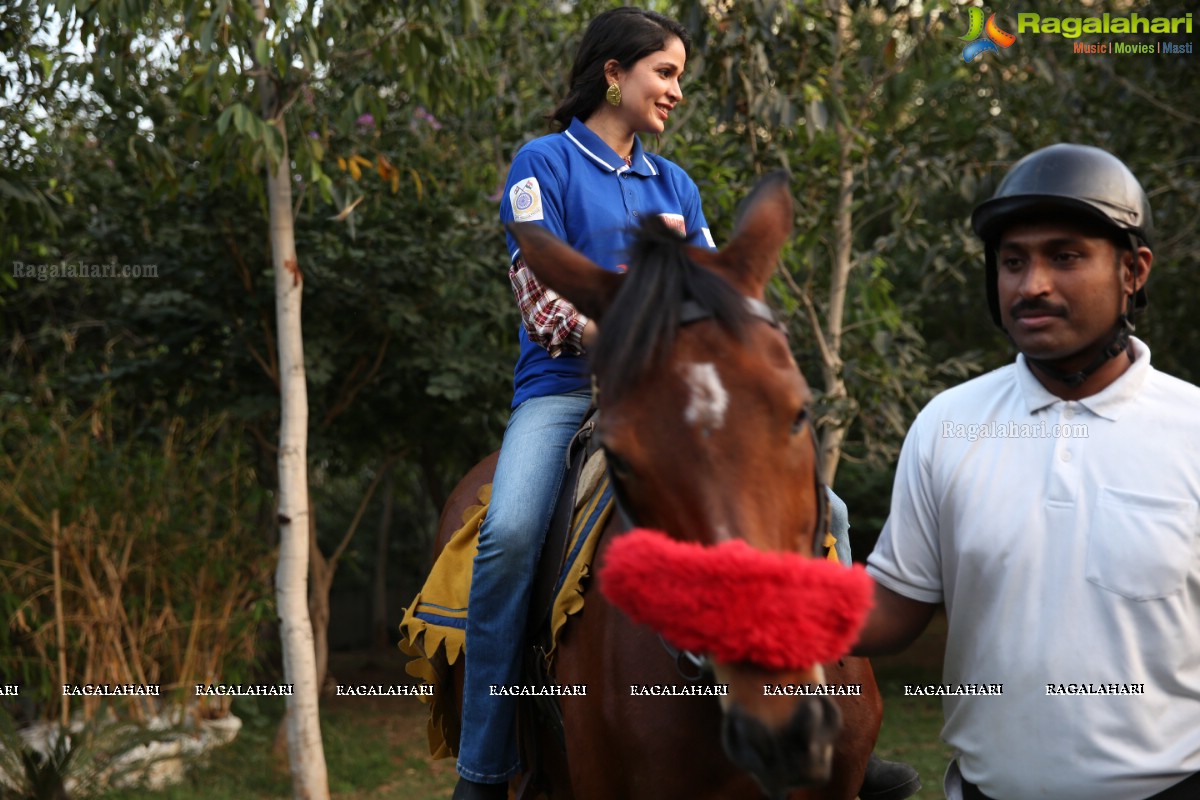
point(593, 764)
point(861, 717)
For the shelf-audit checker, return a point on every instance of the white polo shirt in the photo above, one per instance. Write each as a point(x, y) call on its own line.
point(1064, 538)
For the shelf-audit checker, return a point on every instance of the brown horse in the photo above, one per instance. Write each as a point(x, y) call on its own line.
point(704, 423)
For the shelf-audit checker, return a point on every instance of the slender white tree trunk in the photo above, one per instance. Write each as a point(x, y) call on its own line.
point(843, 240)
point(306, 755)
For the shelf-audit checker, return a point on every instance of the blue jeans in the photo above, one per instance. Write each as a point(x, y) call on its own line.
point(529, 475)
point(839, 526)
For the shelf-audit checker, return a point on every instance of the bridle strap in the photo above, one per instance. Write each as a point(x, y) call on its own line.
point(822, 499)
point(625, 519)
point(691, 311)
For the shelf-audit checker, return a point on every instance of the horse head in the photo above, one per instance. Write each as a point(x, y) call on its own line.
point(704, 421)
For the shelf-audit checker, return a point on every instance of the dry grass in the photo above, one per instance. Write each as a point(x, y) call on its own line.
point(129, 562)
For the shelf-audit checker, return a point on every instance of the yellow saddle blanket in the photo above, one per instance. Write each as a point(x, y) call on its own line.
point(433, 631)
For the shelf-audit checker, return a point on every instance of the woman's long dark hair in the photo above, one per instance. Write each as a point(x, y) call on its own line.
point(626, 34)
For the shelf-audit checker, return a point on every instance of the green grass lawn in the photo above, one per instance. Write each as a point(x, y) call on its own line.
point(912, 725)
point(375, 748)
point(367, 755)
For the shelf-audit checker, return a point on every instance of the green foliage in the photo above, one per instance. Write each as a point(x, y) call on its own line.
point(400, 124)
point(32, 194)
point(780, 86)
point(410, 326)
point(926, 137)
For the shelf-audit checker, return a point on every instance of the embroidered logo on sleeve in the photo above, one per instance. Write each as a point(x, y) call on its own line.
point(526, 198)
point(675, 222)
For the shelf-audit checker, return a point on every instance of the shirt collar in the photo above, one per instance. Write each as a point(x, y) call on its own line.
point(603, 156)
point(1108, 402)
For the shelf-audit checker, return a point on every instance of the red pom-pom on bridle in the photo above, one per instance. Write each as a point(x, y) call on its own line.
point(735, 603)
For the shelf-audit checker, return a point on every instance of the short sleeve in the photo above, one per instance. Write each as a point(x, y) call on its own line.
point(907, 557)
point(533, 193)
point(693, 212)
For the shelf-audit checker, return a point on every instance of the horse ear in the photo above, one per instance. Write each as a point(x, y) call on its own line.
point(588, 287)
point(763, 226)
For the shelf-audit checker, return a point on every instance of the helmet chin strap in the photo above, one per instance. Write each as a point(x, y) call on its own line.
point(1119, 343)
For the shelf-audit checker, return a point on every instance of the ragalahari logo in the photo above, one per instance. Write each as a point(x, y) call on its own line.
point(993, 38)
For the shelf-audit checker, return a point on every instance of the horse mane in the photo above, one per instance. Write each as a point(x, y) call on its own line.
point(639, 327)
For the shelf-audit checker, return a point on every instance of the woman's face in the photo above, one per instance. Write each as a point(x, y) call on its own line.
point(650, 89)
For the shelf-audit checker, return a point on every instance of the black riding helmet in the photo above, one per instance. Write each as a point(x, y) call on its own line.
point(1075, 178)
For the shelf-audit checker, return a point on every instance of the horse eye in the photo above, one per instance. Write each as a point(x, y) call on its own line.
point(617, 465)
point(800, 421)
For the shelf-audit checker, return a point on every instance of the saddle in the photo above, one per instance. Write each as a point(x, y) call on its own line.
point(433, 630)
point(585, 487)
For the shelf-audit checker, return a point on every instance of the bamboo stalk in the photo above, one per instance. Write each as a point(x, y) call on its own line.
point(191, 654)
point(61, 632)
point(106, 614)
point(132, 664)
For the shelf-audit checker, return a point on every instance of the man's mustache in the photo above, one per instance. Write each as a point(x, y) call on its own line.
point(1036, 308)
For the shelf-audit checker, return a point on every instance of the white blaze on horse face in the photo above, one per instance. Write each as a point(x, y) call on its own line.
point(707, 398)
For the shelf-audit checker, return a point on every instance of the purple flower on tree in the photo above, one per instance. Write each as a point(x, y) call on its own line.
point(425, 116)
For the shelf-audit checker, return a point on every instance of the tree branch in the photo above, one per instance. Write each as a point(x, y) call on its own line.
point(270, 367)
point(362, 509)
point(1151, 99)
point(346, 398)
point(814, 320)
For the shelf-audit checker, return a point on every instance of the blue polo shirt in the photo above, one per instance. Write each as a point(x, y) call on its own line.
point(584, 193)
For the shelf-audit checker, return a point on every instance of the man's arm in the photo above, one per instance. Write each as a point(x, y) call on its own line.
point(893, 624)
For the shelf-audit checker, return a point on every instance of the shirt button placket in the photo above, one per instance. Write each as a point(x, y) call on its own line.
point(1066, 469)
point(1064, 444)
point(1067, 447)
point(630, 206)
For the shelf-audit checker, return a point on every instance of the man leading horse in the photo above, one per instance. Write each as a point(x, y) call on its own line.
point(1053, 508)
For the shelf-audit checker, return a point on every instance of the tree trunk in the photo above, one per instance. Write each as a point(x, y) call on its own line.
point(843, 241)
point(306, 755)
point(320, 571)
point(380, 640)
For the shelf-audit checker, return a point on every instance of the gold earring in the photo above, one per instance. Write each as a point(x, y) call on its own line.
point(613, 95)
